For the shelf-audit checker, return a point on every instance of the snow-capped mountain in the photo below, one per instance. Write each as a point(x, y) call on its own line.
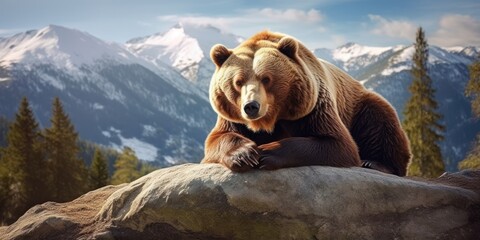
point(382, 69)
point(60, 46)
point(186, 47)
point(112, 96)
point(151, 93)
point(386, 70)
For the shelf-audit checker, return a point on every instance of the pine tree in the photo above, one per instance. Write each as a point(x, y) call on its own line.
point(472, 161)
point(98, 170)
point(4, 125)
point(7, 212)
point(126, 167)
point(472, 90)
point(421, 121)
point(87, 150)
point(69, 173)
point(4, 176)
point(22, 166)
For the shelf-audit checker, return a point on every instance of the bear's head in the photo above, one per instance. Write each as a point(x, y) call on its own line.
point(263, 80)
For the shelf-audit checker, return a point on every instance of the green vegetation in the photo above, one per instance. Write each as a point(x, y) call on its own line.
point(421, 117)
point(472, 161)
point(4, 124)
point(98, 170)
point(126, 167)
point(472, 90)
point(38, 166)
point(68, 172)
point(23, 169)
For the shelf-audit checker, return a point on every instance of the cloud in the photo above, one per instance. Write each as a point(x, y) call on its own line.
point(265, 17)
point(393, 28)
point(305, 24)
point(457, 30)
point(219, 22)
point(291, 15)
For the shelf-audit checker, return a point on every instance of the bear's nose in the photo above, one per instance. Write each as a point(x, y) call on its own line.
point(251, 108)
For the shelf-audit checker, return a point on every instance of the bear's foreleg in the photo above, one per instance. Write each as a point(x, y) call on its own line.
point(232, 150)
point(305, 151)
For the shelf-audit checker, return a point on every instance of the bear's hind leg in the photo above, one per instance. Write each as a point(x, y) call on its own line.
point(382, 143)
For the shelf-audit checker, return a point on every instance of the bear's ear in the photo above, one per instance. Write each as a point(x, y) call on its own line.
point(219, 54)
point(289, 47)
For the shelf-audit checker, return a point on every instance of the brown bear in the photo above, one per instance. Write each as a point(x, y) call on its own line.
point(279, 106)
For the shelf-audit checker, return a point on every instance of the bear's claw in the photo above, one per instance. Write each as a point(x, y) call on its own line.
point(243, 158)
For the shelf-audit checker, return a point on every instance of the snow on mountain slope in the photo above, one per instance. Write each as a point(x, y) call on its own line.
point(185, 47)
point(402, 59)
point(60, 46)
point(70, 48)
point(467, 51)
point(112, 96)
point(137, 94)
point(353, 50)
point(382, 69)
point(354, 57)
point(174, 48)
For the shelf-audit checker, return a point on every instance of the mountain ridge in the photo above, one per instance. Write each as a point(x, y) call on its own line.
point(61, 46)
point(185, 47)
point(385, 70)
point(156, 79)
point(113, 97)
point(388, 73)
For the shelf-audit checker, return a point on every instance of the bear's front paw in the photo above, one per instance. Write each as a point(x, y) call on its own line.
point(243, 158)
point(270, 162)
point(271, 156)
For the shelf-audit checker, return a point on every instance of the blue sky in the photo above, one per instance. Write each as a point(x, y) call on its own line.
point(324, 23)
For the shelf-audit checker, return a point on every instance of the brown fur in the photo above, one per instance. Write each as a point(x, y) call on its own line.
point(311, 113)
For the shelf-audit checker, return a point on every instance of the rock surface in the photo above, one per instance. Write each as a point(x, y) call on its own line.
point(207, 201)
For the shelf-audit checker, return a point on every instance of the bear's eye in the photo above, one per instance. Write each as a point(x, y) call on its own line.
point(266, 81)
point(238, 82)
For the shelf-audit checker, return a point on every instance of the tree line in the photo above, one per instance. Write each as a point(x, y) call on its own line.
point(422, 121)
point(472, 90)
point(45, 165)
point(50, 164)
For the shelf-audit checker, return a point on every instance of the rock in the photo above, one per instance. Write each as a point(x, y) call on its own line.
point(207, 201)
point(59, 220)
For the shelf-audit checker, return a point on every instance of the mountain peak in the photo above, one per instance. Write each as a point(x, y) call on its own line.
point(54, 27)
point(60, 46)
point(349, 45)
point(351, 50)
point(469, 51)
point(193, 28)
point(58, 31)
point(183, 46)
